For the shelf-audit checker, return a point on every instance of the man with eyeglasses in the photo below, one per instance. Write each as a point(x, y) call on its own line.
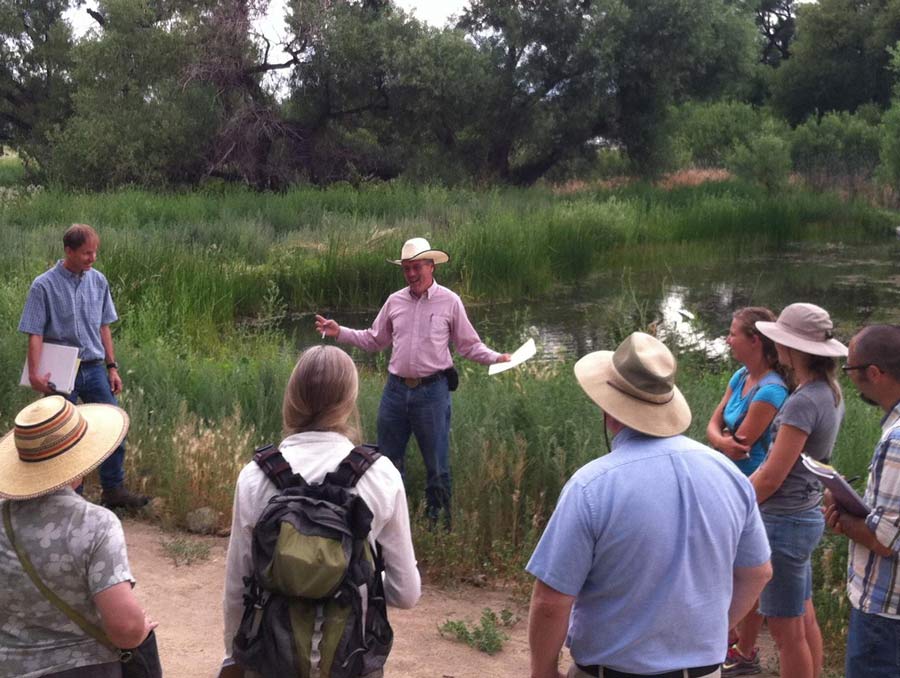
point(873, 365)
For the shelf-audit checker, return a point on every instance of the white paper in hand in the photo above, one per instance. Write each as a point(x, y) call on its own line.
point(62, 364)
point(523, 353)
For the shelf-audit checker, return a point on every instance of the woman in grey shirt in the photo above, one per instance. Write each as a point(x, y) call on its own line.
point(788, 494)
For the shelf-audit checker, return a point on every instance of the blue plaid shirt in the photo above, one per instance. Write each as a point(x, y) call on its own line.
point(67, 308)
point(872, 582)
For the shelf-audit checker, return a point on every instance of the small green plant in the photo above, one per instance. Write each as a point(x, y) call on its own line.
point(185, 551)
point(485, 636)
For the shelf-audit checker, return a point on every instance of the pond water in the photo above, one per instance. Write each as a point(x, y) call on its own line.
point(682, 292)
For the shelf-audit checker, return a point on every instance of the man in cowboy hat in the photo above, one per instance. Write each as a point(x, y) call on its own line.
point(75, 549)
point(419, 322)
point(70, 304)
point(873, 366)
point(654, 550)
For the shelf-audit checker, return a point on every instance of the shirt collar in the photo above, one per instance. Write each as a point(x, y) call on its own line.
point(308, 437)
point(61, 268)
point(430, 292)
point(623, 437)
point(891, 417)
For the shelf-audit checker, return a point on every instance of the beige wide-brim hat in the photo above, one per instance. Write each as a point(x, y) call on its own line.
point(805, 327)
point(636, 385)
point(419, 248)
point(54, 443)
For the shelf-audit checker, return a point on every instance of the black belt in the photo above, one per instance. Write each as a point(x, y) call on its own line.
point(98, 361)
point(413, 382)
point(695, 672)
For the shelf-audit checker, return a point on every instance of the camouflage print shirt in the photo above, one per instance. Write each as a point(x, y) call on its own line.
point(78, 550)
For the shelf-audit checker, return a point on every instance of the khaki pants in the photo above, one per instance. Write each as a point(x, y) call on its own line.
point(575, 672)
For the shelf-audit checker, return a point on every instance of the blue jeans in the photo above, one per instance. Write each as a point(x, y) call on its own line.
point(423, 411)
point(873, 646)
point(92, 386)
point(793, 538)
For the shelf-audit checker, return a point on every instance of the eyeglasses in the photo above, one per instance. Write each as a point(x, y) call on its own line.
point(850, 368)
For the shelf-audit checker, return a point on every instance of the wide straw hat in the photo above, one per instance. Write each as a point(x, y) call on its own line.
point(419, 248)
point(54, 443)
point(805, 327)
point(636, 385)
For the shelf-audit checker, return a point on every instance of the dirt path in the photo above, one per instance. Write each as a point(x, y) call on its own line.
point(187, 601)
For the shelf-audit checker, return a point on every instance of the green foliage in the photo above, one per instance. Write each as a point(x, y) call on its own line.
point(35, 87)
point(12, 171)
point(134, 121)
point(184, 550)
point(764, 160)
point(839, 59)
point(837, 144)
point(703, 134)
point(890, 146)
point(485, 636)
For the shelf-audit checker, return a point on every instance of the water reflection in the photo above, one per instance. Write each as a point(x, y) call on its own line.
point(684, 294)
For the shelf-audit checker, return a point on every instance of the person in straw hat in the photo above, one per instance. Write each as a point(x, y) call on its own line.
point(77, 549)
point(788, 493)
point(419, 322)
point(653, 551)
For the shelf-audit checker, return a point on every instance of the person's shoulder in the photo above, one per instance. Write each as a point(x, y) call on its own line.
point(97, 277)
point(47, 277)
point(446, 292)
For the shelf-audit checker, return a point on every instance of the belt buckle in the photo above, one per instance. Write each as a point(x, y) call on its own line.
point(411, 382)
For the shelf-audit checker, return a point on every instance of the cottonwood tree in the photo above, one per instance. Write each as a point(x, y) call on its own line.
point(568, 71)
point(35, 60)
point(839, 59)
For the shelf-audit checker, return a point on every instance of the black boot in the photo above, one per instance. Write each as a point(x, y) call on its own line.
point(120, 497)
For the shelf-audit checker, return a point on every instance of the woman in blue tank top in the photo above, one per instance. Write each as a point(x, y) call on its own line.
point(740, 428)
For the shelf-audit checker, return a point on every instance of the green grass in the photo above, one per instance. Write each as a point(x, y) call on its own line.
point(184, 550)
point(486, 636)
point(204, 387)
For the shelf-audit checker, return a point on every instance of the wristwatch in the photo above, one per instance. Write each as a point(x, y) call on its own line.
point(112, 366)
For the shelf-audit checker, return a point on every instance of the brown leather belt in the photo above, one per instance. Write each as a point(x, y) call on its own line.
point(415, 382)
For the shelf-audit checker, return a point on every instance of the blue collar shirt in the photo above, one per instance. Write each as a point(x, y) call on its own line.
point(647, 538)
point(69, 308)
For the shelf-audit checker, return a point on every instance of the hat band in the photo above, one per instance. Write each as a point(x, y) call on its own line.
point(43, 442)
point(652, 398)
point(817, 335)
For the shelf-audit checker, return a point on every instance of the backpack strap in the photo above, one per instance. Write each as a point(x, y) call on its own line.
point(354, 466)
point(272, 462)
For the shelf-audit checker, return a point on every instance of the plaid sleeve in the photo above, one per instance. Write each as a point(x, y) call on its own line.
point(34, 315)
point(884, 494)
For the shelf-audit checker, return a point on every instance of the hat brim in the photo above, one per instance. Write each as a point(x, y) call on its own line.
point(594, 372)
point(830, 348)
point(437, 256)
point(106, 429)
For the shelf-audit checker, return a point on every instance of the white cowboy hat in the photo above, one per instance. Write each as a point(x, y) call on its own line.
point(805, 327)
point(54, 443)
point(418, 248)
point(636, 385)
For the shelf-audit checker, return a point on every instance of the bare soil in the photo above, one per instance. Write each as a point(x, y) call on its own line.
point(187, 602)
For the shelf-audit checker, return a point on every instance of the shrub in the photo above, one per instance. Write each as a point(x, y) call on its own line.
point(705, 133)
point(765, 160)
point(837, 145)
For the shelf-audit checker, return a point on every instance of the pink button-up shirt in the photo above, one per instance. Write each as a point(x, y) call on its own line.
point(420, 332)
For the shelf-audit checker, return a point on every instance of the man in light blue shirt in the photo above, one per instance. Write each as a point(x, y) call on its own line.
point(654, 550)
point(71, 305)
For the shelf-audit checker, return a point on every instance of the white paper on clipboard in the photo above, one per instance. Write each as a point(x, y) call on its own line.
point(62, 364)
point(523, 353)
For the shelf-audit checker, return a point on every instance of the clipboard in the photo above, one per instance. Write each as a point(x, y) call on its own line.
point(844, 495)
point(61, 362)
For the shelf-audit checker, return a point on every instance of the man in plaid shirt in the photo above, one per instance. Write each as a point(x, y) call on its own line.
point(873, 585)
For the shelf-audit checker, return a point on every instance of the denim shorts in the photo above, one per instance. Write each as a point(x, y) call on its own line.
point(792, 539)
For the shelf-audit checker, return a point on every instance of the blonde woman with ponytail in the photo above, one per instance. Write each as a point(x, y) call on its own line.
point(321, 426)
